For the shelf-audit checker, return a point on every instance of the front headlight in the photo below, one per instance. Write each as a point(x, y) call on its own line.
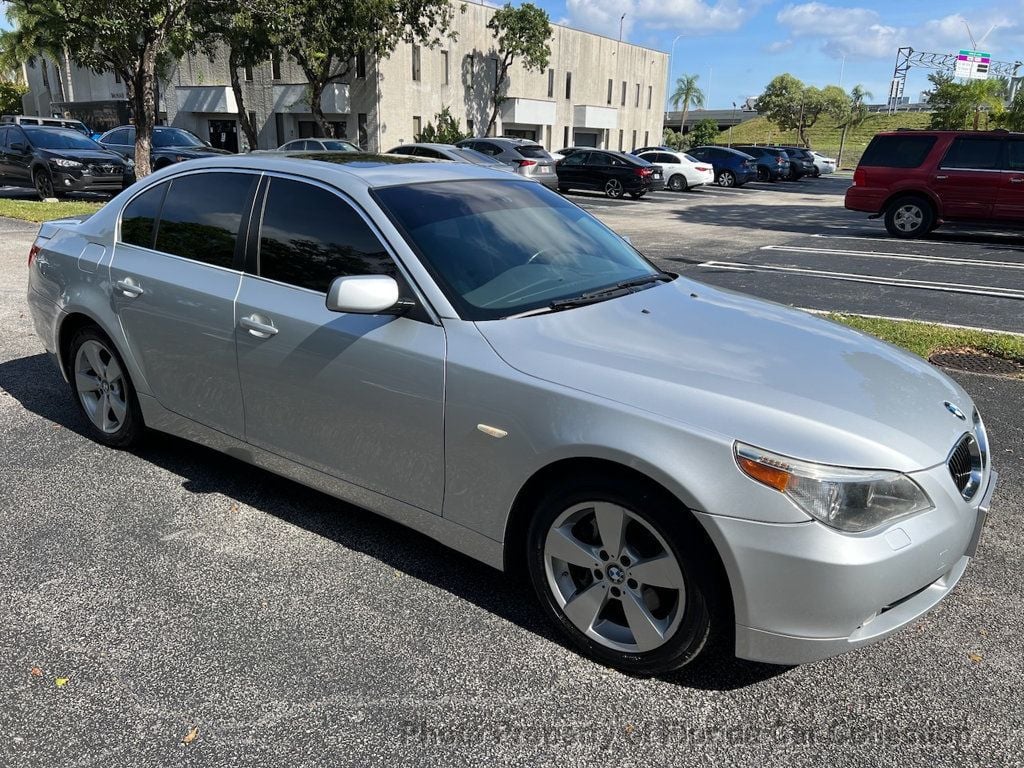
point(65, 163)
point(851, 500)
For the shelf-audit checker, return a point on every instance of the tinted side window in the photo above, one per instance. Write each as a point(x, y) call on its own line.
point(310, 236)
point(1015, 155)
point(487, 148)
point(202, 214)
point(897, 151)
point(3, 138)
point(140, 215)
point(965, 152)
point(117, 137)
point(576, 158)
point(599, 158)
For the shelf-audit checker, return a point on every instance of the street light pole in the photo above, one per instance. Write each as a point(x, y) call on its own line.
point(622, 18)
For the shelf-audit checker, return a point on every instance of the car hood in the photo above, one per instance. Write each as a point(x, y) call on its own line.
point(748, 370)
point(88, 155)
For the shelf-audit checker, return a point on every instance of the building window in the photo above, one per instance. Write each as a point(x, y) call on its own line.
point(361, 64)
point(416, 62)
point(568, 85)
point(275, 66)
point(623, 100)
point(646, 136)
point(634, 140)
point(248, 72)
point(469, 127)
point(46, 74)
point(610, 84)
point(565, 137)
point(364, 136)
point(417, 127)
point(117, 77)
point(621, 133)
point(444, 64)
point(650, 95)
point(637, 95)
point(551, 83)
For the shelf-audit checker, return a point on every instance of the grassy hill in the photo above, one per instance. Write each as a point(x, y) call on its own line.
point(824, 136)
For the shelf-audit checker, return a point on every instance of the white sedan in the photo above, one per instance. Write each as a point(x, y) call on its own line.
point(682, 171)
point(823, 164)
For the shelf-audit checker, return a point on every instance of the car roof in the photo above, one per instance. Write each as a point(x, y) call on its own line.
point(372, 170)
point(995, 133)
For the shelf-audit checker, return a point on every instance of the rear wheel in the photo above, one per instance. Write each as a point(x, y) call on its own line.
point(103, 390)
point(909, 217)
point(618, 567)
point(763, 174)
point(726, 179)
point(678, 183)
point(613, 188)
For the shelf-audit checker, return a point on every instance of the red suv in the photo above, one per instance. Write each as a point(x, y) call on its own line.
point(919, 180)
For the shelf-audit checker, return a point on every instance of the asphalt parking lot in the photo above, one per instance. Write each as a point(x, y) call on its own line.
point(173, 588)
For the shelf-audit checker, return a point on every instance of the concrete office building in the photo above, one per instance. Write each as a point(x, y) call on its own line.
point(596, 92)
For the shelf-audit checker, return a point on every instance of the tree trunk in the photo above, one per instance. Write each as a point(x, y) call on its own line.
point(682, 120)
point(316, 92)
point(842, 145)
point(248, 126)
point(499, 79)
point(70, 88)
point(143, 103)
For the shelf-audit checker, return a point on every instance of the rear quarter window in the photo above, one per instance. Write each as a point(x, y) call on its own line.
point(897, 151)
point(533, 150)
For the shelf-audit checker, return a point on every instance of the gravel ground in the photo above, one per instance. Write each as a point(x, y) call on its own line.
point(148, 594)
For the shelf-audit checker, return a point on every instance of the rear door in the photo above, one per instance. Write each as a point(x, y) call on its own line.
point(968, 177)
point(1010, 198)
point(175, 273)
point(359, 397)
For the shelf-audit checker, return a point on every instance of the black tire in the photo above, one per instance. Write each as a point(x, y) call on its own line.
point(909, 217)
point(613, 189)
point(763, 174)
point(678, 183)
point(726, 179)
point(43, 182)
point(131, 427)
point(692, 623)
point(563, 190)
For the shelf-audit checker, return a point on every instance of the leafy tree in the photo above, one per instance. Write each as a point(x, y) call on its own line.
point(853, 116)
point(791, 105)
point(689, 95)
point(704, 133)
point(10, 97)
point(521, 33)
point(127, 37)
point(957, 106)
point(674, 139)
point(1013, 118)
point(325, 38)
point(447, 131)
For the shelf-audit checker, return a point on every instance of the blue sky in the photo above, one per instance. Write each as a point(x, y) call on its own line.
point(737, 46)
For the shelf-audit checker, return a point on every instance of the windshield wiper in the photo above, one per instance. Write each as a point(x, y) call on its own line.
point(611, 291)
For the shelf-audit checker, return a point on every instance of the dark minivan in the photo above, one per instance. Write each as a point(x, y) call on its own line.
point(614, 173)
point(919, 180)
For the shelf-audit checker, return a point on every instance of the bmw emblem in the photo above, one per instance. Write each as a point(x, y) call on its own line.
point(955, 411)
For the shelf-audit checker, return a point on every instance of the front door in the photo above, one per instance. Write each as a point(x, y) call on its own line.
point(360, 397)
point(570, 170)
point(176, 305)
point(17, 158)
point(1010, 199)
point(967, 179)
point(224, 135)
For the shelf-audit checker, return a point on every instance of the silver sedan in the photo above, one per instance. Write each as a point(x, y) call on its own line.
point(674, 466)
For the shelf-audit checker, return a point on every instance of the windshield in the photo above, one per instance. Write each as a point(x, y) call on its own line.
point(58, 138)
point(499, 248)
point(333, 145)
point(175, 137)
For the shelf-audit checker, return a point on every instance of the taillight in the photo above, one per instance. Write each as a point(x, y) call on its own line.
point(642, 171)
point(860, 177)
point(526, 163)
point(703, 168)
point(32, 253)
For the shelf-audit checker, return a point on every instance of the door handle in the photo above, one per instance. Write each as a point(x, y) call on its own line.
point(129, 288)
point(258, 326)
point(1016, 181)
point(942, 178)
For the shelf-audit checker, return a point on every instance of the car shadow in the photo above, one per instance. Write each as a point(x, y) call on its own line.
point(34, 383)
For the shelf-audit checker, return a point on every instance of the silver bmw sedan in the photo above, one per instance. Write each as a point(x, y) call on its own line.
point(673, 465)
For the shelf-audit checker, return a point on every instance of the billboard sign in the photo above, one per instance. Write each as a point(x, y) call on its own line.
point(972, 65)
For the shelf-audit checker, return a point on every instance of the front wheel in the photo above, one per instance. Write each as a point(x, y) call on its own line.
point(726, 179)
point(909, 217)
point(613, 188)
point(617, 568)
point(103, 390)
point(43, 182)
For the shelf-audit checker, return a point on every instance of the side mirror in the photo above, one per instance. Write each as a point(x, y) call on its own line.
point(18, 146)
point(362, 294)
point(207, 143)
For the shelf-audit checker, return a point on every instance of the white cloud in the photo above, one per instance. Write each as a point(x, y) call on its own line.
point(691, 17)
point(779, 46)
point(842, 31)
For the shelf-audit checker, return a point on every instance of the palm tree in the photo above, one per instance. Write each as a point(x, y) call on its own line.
point(857, 114)
point(688, 94)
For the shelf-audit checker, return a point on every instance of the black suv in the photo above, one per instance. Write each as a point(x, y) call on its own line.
point(801, 162)
point(772, 162)
point(170, 145)
point(58, 160)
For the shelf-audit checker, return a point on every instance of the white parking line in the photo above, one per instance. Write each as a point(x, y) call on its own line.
point(882, 236)
point(927, 285)
point(899, 256)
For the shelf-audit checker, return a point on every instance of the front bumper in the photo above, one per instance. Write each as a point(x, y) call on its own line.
point(804, 592)
point(84, 181)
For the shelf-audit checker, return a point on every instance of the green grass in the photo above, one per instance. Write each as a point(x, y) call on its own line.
point(925, 339)
point(824, 136)
point(36, 210)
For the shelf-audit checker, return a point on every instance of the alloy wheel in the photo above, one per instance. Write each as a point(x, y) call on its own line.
point(614, 576)
point(908, 217)
point(726, 179)
point(613, 188)
point(44, 185)
point(100, 384)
